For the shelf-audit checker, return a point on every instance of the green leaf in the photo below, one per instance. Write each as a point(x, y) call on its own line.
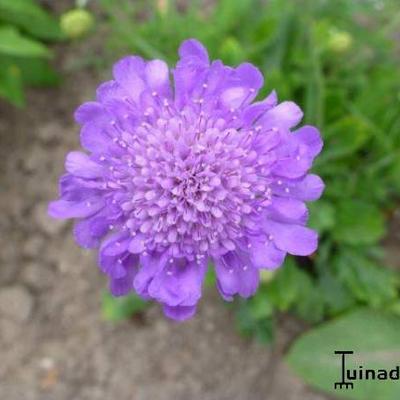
point(322, 216)
point(11, 85)
point(345, 137)
point(30, 17)
point(358, 222)
point(34, 71)
point(369, 282)
point(38, 72)
point(254, 317)
point(119, 308)
point(286, 285)
point(210, 278)
point(13, 43)
point(374, 338)
point(337, 297)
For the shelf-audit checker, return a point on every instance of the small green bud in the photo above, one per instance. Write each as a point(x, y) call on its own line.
point(76, 23)
point(266, 275)
point(339, 41)
point(162, 6)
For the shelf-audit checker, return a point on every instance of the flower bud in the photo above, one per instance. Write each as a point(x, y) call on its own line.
point(76, 23)
point(339, 41)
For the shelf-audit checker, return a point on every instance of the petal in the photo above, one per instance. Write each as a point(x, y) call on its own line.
point(128, 72)
point(291, 167)
point(295, 239)
point(116, 246)
point(192, 48)
point(79, 164)
point(309, 188)
point(137, 244)
point(251, 76)
point(309, 137)
point(234, 97)
point(89, 112)
point(287, 209)
point(235, 275)
point(178, 283)
point(89, 231)
point(73, 188)
point(94, 138)
point(124, 285)
point(264, 142)
point(109, 90)
point(157, 76)
point(150, 265)
point(74, 209)
point(266, 254)
point(255, 110)
point(286, 114)
point(179, 313)
point(113, 258)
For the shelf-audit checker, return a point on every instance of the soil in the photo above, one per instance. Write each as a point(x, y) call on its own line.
point(54, 343)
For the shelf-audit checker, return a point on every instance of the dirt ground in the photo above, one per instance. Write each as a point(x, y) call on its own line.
point(54, 343)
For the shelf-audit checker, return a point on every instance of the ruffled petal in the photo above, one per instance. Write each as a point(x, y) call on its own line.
point(157, 76)
point(286, 115)
point(234, 97)
point(108, 91)
point(79, 164)
point(250, 76)
point(137, 244)
point(94, 138)
point(124, 285)
point(179, 313)
point(178, 283)
point(73, 188)
point(236, 275)
point(310, 140)
point(150, 265)
point(287, 209)
point(118, 264)
point(63, 209)
point(129, 73)
point(193, 49)
point(292, 167)
point(264, 254)
point(295, 239)
point(90, 112)
point(89, 231)
point(309, 188)
point(257, 109)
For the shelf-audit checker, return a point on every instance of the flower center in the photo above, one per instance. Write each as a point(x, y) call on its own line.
point(190, 183)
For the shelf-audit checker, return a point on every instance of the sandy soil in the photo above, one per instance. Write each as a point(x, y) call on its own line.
point(54, 343)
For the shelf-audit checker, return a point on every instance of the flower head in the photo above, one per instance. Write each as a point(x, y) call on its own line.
point(180, 175)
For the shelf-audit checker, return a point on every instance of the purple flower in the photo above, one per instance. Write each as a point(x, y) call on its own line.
point(180, 175)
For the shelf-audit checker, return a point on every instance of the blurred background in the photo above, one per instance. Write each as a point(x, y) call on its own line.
point(62, 338)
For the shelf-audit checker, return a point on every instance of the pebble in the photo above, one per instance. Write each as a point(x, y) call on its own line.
point(50, 132)
point(45, 223)
point(8, 331)
point(34, 159)
point(33, 246)
point(16, 303)
point(38, 276)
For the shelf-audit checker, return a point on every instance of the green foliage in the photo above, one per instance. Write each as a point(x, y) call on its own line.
point(254, 317)
point(24, 58)
point(312, 356)
point(119, 308)
point(358, 222)
point(339, 61)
